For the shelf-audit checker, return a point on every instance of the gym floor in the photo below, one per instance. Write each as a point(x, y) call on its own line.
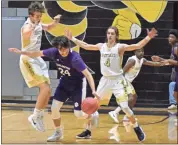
point(159, 129)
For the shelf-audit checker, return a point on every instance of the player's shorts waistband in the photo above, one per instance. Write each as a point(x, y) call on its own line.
point(114, 77)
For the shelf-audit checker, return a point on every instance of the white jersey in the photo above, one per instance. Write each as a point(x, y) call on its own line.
point(34, 43)
point(132, 73)
point(110, 61)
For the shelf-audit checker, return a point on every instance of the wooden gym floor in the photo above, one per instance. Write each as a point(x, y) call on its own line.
point(158, 129)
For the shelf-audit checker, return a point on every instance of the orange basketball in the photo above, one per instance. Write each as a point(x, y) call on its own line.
point(90, 105)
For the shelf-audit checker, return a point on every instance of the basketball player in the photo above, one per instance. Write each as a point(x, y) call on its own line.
point(173, 41)
point(34, 70)
point(72, 83)
point(111, 61)
point(131, 71)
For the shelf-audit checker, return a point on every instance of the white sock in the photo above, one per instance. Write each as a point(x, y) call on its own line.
point(36, 112)
point(117, 110)
point(58, 128)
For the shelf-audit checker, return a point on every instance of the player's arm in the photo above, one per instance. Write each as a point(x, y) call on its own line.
point(27, 53)
point(82, 44)
point(152, 63)
point(48, 27)
point(27, 30)
point(50, 52)
point(156, 58)
point(129, 65)
point(141, 44)
point(170, 62)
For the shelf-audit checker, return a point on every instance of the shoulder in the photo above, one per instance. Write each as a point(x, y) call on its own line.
point(75, 56)
point(51, 51)
point(132, 59)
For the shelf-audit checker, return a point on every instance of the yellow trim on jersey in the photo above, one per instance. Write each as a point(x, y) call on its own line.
point(59, 29)
point(69, 6)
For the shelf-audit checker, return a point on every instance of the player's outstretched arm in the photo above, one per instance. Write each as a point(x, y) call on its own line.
point(156, 58)
point(153, 63)
point(150, 34)
point(91, 82)
point(48, 27)
point(27, 53)
point(170, 62)
point(82, 44)
point(128, 65)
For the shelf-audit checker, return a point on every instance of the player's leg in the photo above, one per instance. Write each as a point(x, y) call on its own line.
point(120, 93)
point(34, 77)
point(55, 114)
point(78, 95)
point(176, 95)
point(132, 101)
point(59, 98)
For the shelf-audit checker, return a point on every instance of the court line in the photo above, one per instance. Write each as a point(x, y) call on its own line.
point(8, 115)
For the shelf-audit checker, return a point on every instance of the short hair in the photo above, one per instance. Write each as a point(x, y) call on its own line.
point(174, 32)
point(61, 41)
point(35, 7)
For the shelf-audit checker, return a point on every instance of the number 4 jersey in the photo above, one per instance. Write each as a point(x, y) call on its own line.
point(110, 61)
point(70, 66)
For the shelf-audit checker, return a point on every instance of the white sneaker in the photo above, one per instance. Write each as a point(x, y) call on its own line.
point(58, 135)
point(113, 115)
point(37, 122)
point(172, 107)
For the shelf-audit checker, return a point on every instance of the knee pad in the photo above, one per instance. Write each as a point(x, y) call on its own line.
point(55, 109)
point(80, 114)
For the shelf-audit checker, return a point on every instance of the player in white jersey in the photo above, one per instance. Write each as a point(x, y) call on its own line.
point(113, 80)
point(131, 71)
point(34, 70)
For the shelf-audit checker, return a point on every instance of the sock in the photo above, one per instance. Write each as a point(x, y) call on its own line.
point(135, 125)
point(36, 112)
point(58, 128)
point(117, 110)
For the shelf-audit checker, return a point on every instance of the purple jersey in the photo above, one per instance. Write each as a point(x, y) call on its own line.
point(175, 56)
point(70, 66)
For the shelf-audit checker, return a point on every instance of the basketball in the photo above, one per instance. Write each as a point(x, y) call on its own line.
point(90, 105)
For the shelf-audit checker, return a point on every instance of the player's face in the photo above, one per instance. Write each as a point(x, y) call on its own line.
point(111, 35)
point(36, 17)
point(171, 39)
point(64, 52)
point(139, 53)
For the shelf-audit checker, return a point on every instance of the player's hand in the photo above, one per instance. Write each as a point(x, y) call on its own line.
point(165, 62)
point(15, 50)
point(96, 95)
point(152, 33)
point(156, 58)
point(57, 18)
point(68, 34)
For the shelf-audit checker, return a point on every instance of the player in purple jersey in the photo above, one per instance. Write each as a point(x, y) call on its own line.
point(72, 84)
point(173, 41)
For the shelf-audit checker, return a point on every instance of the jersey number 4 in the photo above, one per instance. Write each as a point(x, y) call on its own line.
point(107, 63)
